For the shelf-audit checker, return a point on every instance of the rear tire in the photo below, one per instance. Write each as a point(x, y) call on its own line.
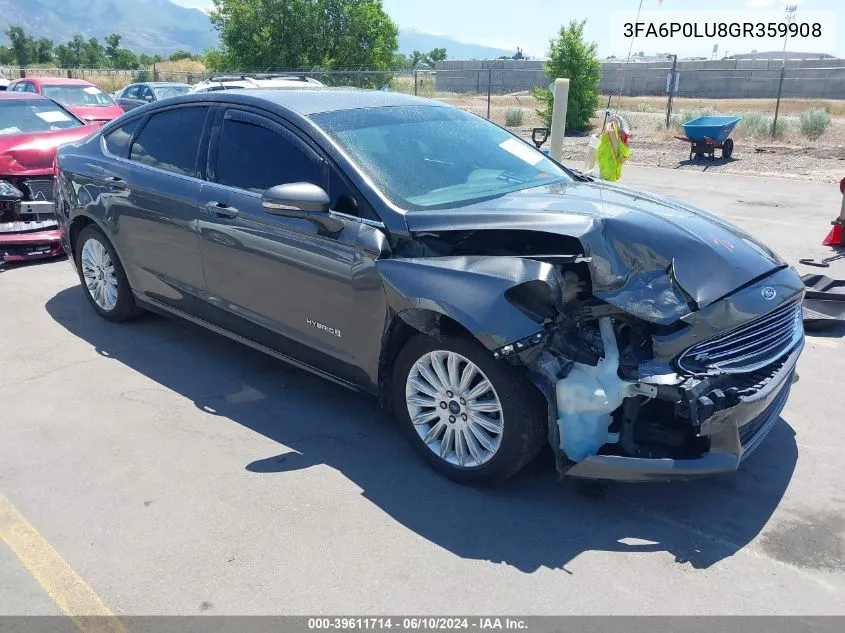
point(102, 276)
point(489, 434)
point(727, 148)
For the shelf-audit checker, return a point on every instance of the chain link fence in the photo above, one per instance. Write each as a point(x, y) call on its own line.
point(501, 90)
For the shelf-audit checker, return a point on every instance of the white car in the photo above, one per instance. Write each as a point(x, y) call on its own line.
point(4, 83)
point(232, 82)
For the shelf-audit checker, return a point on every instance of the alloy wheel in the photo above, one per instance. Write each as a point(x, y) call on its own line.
point(454, 409)
point(98, 272)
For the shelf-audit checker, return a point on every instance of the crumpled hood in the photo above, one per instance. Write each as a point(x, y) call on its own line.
point(33, 154)
point(654, 258)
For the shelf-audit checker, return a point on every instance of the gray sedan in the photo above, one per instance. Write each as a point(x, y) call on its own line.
point(135, 95)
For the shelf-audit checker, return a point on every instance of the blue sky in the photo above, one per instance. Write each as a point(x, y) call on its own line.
point(530, 23)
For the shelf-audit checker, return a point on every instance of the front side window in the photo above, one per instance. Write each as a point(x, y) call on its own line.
point(77, 95)
point(170, 140)
point(24, 116)
point(29, 87)
point(256, 158)
point(433, 157)
point(131, 92)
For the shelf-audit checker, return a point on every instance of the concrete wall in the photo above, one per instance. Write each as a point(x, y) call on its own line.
point(737, 79)
point(502, 75)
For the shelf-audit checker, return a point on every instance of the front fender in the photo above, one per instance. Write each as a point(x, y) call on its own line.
point(470, 290)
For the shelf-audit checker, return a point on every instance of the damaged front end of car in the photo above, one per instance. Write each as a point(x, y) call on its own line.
point(649, 369)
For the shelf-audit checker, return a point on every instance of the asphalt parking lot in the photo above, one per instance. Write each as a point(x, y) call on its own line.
point(154, 468)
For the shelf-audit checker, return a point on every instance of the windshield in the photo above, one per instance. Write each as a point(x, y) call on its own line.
point(164, 92)
point(425, 157)
point(19, 116)
point(77, 95)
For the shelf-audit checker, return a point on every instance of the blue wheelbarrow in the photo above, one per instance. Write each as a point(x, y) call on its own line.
point(706, 134)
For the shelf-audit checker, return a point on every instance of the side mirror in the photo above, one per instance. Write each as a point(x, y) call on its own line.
point(148, 98)
point(301, 200)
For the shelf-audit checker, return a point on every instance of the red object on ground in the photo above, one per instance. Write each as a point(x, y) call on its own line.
point(834, 238)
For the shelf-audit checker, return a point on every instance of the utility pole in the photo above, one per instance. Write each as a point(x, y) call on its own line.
point(670, 86)
point(790, 16)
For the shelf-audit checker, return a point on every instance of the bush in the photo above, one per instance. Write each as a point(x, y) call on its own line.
point(571, 57)
point(814, 122)
point(513, 117)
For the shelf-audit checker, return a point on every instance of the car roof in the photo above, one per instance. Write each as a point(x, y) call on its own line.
point(315, 100)
point(61, 81)
point(159, 84)
point(20, 96)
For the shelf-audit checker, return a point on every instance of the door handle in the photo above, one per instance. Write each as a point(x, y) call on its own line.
point(116, 182)
point(222, 210)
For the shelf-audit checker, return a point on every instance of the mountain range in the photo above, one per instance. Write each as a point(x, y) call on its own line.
point(162, 27)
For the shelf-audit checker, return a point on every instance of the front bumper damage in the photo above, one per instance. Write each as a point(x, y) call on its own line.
point(731, 434)
point(28, 226)
point(657, 421)
point(620, 406)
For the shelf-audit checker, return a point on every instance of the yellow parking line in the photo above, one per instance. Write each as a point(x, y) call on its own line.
point(61, 583)
point(824, 342)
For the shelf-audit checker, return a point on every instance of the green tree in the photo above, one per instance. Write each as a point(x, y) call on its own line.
point(112, 48)
point(437, 54)
point(93, 53)
point(43, 50)
point(7, 55)
point(125, 58)
point(571, 57)
point(22, 45)
point(77, 50)
point(260, 34)
point(64, 56)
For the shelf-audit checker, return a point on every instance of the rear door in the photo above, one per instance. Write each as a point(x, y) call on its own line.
point(317, 294)
point(153, 198)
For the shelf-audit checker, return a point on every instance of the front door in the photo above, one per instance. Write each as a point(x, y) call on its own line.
point(317, 295)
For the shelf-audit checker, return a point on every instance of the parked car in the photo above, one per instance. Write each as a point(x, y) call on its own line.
point(255, 81)
point(4, 83)
point(409, 249)
point(81, 97)
point(135, 95)
point(31, 127)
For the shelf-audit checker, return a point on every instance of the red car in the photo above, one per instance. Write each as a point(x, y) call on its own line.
point(81, 97)
point(31, 128)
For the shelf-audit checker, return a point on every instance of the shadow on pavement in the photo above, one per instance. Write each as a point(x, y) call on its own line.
point(529, 522)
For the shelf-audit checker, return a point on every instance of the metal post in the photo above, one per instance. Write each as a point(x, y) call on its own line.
point(415, 82)
point(489, 88)
point(671, 88)
point(790, 16)
point(777, 103)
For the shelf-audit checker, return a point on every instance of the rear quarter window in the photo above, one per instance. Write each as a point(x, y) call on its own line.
point(117, 141)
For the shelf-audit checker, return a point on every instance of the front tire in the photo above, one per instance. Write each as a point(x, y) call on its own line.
point(103, 279)
point(474, 419)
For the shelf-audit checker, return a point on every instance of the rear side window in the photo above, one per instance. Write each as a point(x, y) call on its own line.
point(170, 140)
point(255, 158)
point(117, 142)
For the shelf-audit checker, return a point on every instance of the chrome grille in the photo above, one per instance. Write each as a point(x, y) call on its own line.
point(750, 346)
point(39, 189)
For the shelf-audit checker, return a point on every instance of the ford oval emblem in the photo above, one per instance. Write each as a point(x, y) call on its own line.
point(769, 293)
